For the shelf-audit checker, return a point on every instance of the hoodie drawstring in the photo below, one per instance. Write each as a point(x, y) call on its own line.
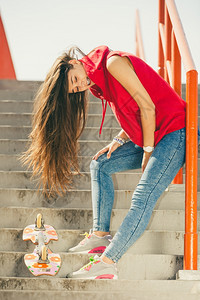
point(103, 115)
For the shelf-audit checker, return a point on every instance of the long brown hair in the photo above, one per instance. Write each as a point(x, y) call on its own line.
point(58, 121)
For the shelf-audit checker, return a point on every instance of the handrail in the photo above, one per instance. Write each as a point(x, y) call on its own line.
point(173, 48)
point(180, 36)
point(138, 35)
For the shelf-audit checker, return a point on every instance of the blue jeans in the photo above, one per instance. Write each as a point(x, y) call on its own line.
point(166, 160)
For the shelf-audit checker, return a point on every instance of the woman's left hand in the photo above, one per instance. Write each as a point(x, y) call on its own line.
point(145, 160)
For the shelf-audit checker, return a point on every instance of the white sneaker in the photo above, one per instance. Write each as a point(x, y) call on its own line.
point(96, 269)
point(92, 244)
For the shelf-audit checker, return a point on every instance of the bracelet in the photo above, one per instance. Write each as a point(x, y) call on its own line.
point(119, 140)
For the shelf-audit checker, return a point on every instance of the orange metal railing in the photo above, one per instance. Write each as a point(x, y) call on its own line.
point(139, 51)
point(173, 48)
point(7, 70)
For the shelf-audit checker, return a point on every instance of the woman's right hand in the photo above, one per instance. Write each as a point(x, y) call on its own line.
point(109, 148)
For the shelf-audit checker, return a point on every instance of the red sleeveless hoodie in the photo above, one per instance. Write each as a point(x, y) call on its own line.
point(170, 108)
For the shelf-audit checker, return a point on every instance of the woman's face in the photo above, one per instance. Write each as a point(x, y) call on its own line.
point(77, 77)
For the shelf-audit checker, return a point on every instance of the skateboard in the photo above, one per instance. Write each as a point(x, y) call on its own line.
point(42, 261)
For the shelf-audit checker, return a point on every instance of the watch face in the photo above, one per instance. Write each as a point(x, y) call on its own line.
point(148, 149)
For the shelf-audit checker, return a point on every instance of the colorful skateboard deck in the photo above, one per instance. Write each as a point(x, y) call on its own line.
point(31, 234)
point(42, 261)
point(37, 269)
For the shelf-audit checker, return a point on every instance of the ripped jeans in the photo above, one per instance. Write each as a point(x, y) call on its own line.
point(164, 163)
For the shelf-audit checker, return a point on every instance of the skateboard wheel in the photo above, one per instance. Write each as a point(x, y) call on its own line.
point(44, 253)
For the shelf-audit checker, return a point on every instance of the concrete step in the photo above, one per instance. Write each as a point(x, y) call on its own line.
point(67, 285)
point(22, 132)
point(130, 266)
point(77, 218)
point(12, 119)
point(151, 242)
point(158, 295)
point(170, 199)
point(32, 294)
point(26, 106)
point(29, 85)
point(13, 106)
point(17, 95)
point(93, 120)
point(22, 179)
point(17, 146)
point(12, 163)
point(83, 295)
point(17, 86)
point(20, 90)
point(89, 133)
point(10, 84)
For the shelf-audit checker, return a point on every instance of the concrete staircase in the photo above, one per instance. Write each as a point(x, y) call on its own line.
point(146, 271)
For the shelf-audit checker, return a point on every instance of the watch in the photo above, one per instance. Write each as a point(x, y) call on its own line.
point(148, 149)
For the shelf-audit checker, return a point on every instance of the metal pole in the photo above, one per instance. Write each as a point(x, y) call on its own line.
point(191, 236)
point(139, 41)
point(176, 84)
point(168, 30)
point(160, 48)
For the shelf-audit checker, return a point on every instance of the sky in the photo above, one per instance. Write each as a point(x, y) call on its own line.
point(38, 31)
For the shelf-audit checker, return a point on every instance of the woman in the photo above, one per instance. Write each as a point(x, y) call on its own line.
point(152, 118)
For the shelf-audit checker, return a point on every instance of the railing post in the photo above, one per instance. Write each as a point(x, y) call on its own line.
point(139, 43)
point(180, 50)
point(160, 48)
point(191, 237)
point(168, 30)
point(176, 84)
point(176, 66)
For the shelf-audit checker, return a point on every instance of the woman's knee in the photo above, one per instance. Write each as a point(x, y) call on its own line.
point(97, 167)
point(94, 165)
point(102, 164)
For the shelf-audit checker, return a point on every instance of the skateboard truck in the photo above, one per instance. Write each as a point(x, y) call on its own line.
point(42, 250)
point(42, 261)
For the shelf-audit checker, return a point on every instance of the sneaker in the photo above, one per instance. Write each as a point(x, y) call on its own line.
point(96, 269)
point(92, 244)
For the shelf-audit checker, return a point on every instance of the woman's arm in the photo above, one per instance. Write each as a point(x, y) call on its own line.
point(122, 71)
point(123, 135)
